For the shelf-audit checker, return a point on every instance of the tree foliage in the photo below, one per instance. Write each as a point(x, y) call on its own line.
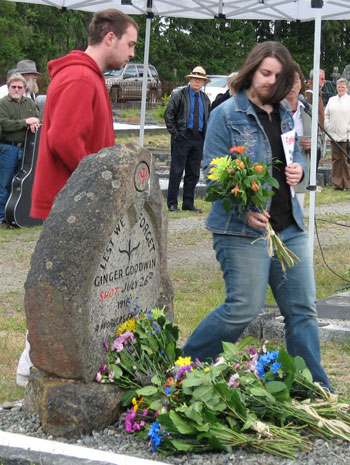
point(42, 33)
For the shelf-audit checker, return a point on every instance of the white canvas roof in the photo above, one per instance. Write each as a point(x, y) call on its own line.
point(289, 10)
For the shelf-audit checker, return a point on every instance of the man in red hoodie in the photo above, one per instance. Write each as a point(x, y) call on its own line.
point(78, 116)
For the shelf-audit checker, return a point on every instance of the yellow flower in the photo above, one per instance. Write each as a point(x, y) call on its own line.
point(183, 361)
point(206, 369)
point(137, 404)
point(213, 177)
point(215, 161)
point(129, 325)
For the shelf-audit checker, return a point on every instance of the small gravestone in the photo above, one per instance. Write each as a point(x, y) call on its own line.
point(103, 249)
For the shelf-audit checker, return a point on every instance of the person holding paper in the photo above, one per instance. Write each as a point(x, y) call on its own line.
point(256, 118)
point(302, 124)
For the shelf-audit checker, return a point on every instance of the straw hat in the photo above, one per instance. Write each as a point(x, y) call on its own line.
point(199, 73)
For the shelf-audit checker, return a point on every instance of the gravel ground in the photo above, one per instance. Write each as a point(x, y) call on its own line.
point(114, 438)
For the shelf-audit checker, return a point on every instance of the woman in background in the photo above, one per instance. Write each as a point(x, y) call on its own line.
point(337, 123)
point(302, 124)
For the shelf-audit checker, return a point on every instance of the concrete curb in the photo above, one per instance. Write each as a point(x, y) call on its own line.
point(17, 449)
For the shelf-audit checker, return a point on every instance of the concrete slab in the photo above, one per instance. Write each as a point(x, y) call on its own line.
point(23, 450)
point(126, 129)
point(336, 306)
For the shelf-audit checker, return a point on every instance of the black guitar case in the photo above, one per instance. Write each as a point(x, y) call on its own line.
point(17, 208)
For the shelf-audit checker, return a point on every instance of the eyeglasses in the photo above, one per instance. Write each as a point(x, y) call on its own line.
point(17, 87)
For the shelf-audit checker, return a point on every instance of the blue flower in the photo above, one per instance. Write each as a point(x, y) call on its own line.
point(150, 315)
point(168, 390)
point(274, 367)
point(264, 362)
point(155, 435)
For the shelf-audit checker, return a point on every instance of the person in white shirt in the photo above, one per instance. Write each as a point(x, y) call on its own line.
point(302, 124)
point(4, 89)
point(337, 123)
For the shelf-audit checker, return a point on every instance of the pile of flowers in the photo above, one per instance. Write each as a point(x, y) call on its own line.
point(253, 394)
point(237, 181)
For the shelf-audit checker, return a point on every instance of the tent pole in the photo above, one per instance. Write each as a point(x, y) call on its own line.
point(314, 127)
point(145, 79)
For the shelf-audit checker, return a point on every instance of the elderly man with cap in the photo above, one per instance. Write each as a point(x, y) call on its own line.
point(186, 119)
point(17, 114)
point(28, 70)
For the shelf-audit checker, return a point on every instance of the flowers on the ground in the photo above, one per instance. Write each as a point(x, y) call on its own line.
point(155, 435)
point(237, 181)
point(267, 362)
point(253, 394)
point(128, 326)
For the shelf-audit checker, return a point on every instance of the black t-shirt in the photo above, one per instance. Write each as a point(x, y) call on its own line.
point(281, 205)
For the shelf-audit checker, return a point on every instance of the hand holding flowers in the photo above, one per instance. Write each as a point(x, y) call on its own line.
point(240, 182)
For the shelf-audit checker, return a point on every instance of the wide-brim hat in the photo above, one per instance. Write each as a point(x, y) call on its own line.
point(199, 73)
point(26, 67)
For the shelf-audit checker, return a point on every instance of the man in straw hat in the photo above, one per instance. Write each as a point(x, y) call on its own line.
point(186, 118)
point(28, 70)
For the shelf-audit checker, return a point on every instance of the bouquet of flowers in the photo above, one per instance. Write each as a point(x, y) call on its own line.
point(253, 395)
point(238, 181)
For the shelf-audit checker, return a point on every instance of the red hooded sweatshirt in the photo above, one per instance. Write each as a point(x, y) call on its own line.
point(77, 122)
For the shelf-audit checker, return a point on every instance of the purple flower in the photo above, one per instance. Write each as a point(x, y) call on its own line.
point(118, 343)
point(104, 369)
point(183, 370)
point(99, 378)
point(233, 381)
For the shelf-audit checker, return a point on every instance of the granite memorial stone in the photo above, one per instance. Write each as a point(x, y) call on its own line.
point(103, 246)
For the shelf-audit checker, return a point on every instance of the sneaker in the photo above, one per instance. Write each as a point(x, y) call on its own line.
point(22, 380)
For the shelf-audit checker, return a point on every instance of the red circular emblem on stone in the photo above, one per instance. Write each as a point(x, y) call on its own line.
point(141, 176)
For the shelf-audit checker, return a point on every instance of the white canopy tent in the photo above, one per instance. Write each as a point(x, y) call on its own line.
point(289, 10)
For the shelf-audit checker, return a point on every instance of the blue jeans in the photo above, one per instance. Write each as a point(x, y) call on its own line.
point(247, 270)
point(10, 163)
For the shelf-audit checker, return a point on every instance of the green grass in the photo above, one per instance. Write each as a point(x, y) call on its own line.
point(159, 140)
point(328, 196)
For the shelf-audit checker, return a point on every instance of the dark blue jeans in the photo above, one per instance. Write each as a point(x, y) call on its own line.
point(247, 270)
point(186, 155)
point(10, 163)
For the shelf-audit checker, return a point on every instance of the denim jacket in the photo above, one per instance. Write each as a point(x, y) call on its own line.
point(234, 123)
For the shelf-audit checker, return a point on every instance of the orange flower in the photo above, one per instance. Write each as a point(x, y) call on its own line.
point(231, 171)
point(169, 382)
point(259, 168)
point(237, 149)
point(240, 163)
point(255, 187)
point(235, 190)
